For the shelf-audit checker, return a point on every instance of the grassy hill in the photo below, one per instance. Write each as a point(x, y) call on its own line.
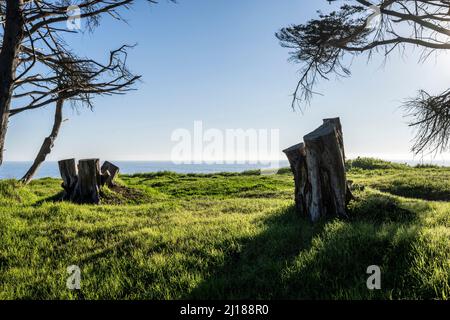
point(173, 236)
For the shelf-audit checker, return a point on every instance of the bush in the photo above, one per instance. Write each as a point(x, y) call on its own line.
point(251, 172)
point(373, 164)
point(426, 166)
point(286, 170)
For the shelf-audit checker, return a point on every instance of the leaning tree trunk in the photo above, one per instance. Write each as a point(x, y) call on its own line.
point(47, 145)
point(13, 35)
point(318, 166)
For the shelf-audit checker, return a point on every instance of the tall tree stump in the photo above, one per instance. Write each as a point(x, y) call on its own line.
point(83, 184)
point(69, 175)
point(318, 166)
point(89, 180)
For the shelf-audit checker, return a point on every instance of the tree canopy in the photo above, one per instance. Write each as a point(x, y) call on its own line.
point(322, 45)
point(38, 67)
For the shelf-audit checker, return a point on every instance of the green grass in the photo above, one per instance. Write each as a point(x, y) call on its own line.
point(228, 236)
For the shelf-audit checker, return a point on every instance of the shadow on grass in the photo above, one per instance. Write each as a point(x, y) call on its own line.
point(293, 259)
point(117, 195)
point(255, 271)
point(53, 198)
point(417, 191)
point(381, 208)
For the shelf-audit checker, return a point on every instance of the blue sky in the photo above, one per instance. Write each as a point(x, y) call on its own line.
point(218, 61)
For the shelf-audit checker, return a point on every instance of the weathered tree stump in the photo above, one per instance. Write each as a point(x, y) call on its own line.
point(109, 173)
point(318, 166)
point(89, 180)
point(84, 185)
point(69, 174)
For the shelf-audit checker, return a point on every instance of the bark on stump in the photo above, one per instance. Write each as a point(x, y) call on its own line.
point(318, 166)
point(297, 158)
point(83, 185)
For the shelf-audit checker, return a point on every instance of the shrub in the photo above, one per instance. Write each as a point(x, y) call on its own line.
point(426, 166)
point(373, 164)
point(286, 170)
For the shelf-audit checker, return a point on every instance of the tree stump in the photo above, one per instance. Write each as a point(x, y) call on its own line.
point(89, 180)
point(109, 173)
point(69, 174)
point(84, 185)
point(318, 166)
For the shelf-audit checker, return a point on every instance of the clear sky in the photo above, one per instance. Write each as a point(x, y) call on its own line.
point(218, 61)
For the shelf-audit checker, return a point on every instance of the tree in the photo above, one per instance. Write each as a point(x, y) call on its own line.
point(79, 86)
point(32, 35)
point(322, 45)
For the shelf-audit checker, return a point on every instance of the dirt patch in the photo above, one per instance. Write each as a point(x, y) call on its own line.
point(119, 194)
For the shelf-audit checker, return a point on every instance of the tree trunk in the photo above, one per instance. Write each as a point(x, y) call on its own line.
point(89, 181)
point(69, 174)
point(319, 172)
point(109, 173)
point(47, 145)
point(12, 39)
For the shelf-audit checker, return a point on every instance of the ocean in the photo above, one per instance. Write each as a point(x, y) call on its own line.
point(15, 170)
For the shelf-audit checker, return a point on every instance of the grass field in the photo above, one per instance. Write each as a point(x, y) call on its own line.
point(229, 236)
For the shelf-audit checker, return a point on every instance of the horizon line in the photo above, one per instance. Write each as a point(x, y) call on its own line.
point(236, 161)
